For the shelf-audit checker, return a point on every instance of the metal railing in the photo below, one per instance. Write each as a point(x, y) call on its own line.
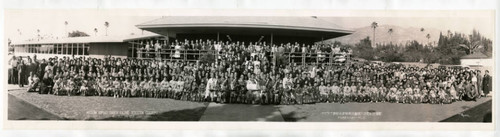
point(194, 54)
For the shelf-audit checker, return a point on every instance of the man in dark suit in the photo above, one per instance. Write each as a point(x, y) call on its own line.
point(41, 69)
point(21, 70)
point(486, 83)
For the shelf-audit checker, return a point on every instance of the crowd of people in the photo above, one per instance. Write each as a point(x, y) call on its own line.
point(226, 46)
point(153, 49)
point(246, 73)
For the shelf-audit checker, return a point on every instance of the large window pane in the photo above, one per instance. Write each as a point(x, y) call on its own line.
point(74, 49)
point(80, 49)
point(60, 46)
point(85, 49)
point(65, 49)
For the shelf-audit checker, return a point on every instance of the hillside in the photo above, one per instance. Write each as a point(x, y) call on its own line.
point(399, 35)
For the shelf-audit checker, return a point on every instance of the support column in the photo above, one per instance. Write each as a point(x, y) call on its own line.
point(218, 36)
point(66, 46)
point(272, 39)
point(168, 40)
point(164, 51)
point(274, 53)
point(77, 48)
point(72, 49)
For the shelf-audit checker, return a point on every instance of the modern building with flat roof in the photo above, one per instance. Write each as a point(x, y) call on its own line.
point(228, 28)
point(272, 30)
point(476, 59)
point(96, 47)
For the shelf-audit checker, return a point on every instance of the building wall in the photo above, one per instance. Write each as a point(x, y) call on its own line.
point(100, 50)
point(476, 62)
point(49, 50)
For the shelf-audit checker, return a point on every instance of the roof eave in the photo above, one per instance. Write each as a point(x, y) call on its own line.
point(245, 26)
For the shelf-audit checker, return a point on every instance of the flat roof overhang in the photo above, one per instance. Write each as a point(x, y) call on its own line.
point(172, 30)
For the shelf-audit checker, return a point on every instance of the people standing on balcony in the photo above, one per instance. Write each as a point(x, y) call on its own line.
point(177, 53)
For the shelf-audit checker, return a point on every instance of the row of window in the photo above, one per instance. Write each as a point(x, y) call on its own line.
point(61, 49)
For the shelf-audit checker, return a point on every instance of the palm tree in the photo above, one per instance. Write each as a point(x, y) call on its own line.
point(474, 43)
point(390, 34)
point(106, 24)
point(422, 30)
point(428, 36)
point(471, 46)
point(95, 31)
point(38, 32)
point(66, 27)
point(374, 26)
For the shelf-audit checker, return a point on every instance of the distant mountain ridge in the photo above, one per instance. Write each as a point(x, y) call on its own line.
point(399, 35)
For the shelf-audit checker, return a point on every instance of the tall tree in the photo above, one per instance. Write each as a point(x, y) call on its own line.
point(77, 34)
point(422, 30)
point(428, 36)
point(475, 41)
point(66, 27)
point(364, 49)
point(390, 31)
point(374, 27)
point(38, 34)
point(106, 24)
point(95, 31)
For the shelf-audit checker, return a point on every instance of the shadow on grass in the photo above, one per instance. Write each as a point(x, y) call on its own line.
point(222, 112)
point(292, 117)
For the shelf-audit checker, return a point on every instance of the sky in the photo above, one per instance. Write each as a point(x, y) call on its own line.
point(459, 24)
point(122, 22)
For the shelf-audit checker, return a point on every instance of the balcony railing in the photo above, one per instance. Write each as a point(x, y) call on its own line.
point(293, 57)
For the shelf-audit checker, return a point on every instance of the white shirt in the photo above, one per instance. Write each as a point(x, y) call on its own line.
point(323, 90)
point(177, 53)
point(257, 48)
point(218, 47)
point(313, 72)
point(157, 46)
point(287, 83)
